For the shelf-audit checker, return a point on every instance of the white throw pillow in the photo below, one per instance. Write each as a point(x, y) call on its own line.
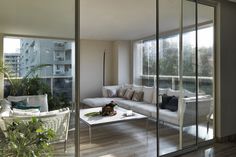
point(148, 94)
point(137, 88)
point(154, 97)
point(111, 92)
point(105, 88)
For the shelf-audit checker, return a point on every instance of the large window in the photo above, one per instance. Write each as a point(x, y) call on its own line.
point(145, 60)
point(47, 62)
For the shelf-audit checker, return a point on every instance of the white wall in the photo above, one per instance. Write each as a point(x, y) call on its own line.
point(91, 65)
point(122, 62)
point(227, 81)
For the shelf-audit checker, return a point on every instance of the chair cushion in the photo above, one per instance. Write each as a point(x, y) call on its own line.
point(33, 100)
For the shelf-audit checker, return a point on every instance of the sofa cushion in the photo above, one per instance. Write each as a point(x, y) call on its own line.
point(148, 94)
point(111, 92)
point(167, 116)
point(121, 92)
point(161, 92)
point(129, 94)
point(144, 108)
point(138, 96)
point(105, 88)
point(127, 104)
point(98, 102)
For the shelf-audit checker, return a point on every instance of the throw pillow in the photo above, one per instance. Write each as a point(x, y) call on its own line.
point(129, 94)
point(173, 104)
point(111, 92)
point(19, 104)
point(165, 101)
point(138, 96)
point(148, 94)
point(121, 92)
point(22, 107)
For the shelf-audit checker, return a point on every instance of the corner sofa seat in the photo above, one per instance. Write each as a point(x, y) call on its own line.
point(184, 116)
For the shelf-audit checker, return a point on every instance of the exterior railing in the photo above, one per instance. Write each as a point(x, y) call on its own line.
point(205, 84)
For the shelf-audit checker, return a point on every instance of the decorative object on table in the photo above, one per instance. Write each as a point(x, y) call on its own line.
point(93, 114)
point(108, 109)
point(129, 113)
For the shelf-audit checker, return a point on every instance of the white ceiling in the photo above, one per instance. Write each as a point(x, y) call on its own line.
point(100, 19)
point(53, 18)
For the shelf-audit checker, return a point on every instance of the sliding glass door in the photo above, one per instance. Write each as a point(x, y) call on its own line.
point(186, 75)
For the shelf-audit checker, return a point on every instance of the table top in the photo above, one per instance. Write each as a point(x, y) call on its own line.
point(119, 117)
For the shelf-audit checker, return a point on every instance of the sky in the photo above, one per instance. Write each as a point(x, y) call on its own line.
point(11, 45)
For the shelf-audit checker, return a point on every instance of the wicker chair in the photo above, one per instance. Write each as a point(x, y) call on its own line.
point(57, 120)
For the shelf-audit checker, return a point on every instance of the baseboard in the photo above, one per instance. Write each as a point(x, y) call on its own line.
point(230, 138)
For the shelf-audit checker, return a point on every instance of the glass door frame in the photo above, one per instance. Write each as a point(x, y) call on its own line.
point(77, 77)
point(198, 144)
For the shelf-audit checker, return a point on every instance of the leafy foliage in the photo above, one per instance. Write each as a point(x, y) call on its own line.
point(31, 84)
point(27, 139)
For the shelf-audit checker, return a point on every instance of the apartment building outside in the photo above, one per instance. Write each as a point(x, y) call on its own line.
point(11, 61)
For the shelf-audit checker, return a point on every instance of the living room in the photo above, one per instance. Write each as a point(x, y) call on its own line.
point(117, 51)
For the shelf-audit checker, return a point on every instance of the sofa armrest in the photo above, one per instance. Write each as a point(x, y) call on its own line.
point(188, 116)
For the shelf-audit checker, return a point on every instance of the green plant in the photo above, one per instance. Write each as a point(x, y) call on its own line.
point(31, 84)
point(27, 139)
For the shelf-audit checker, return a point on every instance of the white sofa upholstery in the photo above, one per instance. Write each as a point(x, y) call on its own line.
point(184, 116)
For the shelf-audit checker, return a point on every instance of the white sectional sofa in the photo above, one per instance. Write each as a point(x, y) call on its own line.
point(184, 116)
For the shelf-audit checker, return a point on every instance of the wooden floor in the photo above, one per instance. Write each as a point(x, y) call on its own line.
point(127, 139)
point(217, 150)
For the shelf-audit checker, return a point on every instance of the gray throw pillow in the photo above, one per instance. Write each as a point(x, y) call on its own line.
point(121, 92)
point(129, 94)
point(138, 96)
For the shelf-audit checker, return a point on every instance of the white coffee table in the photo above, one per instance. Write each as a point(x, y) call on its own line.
point(102, 120)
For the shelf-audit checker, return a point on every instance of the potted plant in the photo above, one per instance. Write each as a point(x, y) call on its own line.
point(27, 139)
